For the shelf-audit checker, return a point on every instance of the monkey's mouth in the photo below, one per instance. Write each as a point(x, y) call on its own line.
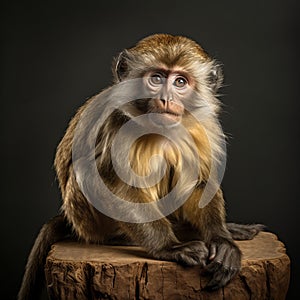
point(171, 115)
point(165, 118)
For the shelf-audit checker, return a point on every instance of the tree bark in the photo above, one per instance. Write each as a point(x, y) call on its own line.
point(81, 271)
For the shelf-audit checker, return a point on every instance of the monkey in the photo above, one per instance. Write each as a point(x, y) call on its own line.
point(180, 78)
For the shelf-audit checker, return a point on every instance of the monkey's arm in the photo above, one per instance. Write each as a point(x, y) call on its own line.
point(224, 260)
point(158, 238)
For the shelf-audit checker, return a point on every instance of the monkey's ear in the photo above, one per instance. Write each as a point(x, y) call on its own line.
point(120, 66)
point(216, 77)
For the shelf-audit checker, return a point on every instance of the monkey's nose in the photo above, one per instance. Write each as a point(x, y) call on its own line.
point(165, 102)
point(165, 99)
point(166, 94)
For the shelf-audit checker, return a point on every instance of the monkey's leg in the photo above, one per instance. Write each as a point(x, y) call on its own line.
point(56, 229)
point(159, 240)
point(242, 232)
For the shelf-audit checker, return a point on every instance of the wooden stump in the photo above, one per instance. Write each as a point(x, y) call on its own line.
point(80, 271)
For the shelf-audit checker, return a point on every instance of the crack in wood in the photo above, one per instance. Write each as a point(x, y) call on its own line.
point(144, 273)
point(163, 280)
point(137, 288)
point(247, 287)
point(267, 280)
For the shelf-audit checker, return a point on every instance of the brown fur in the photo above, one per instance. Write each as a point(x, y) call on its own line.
point(164, 238)
point(153, 52)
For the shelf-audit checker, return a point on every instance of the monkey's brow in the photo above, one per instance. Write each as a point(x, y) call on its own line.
point(167, 72)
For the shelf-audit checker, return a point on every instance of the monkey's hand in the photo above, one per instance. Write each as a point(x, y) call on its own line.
point(190, 253)
point(225, 262)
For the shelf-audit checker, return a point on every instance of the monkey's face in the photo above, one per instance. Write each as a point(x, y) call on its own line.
point(168, 89)
point(178, 78)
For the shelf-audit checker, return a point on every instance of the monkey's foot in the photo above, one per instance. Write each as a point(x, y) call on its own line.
point(190, 253)
point(242, 232)
point(225, 263)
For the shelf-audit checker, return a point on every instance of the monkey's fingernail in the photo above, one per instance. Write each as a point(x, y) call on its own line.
point(212, 257)
point(213, 251)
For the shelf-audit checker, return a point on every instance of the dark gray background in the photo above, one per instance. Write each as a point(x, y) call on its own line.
point(54, 56)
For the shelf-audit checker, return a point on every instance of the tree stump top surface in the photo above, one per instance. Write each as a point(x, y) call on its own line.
point(263, 246)
point(85, 271)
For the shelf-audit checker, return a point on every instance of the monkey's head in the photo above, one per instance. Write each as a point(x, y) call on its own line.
point(174, 69)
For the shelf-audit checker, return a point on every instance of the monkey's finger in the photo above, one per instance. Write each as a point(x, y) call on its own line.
point(191, 253)
point(219, 279)
point(230, 260)
point(212, 251)
point(217, 255)
point(218, 262)
point(191, 259)
point(226, 258)
point(215, 282)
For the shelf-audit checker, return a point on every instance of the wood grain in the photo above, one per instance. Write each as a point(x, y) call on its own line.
point(82, 271)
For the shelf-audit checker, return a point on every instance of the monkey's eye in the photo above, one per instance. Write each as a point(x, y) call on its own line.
point(156, 79)
point(180, 82)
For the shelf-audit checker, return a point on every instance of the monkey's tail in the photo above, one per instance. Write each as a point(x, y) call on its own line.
point(33, 280)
